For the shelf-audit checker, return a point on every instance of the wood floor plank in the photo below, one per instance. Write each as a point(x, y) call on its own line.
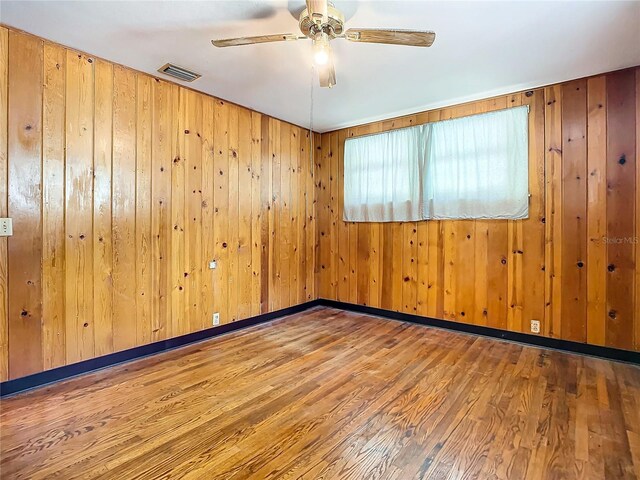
point(331, 394)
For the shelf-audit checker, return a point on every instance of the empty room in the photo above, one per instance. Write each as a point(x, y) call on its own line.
point(295, 239)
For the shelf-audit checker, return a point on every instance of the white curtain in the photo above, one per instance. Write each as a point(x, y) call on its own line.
point(382, 176)
point(471, 167)
point(477, 167)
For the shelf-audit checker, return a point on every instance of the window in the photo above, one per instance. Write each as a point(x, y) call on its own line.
point(471, 167)
point(477, 167)
point(382, 176)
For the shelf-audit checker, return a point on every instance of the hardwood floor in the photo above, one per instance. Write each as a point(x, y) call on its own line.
point(333, 395)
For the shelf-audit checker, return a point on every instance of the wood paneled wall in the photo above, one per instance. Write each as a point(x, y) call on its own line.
point(574, 264)
point(122, 187)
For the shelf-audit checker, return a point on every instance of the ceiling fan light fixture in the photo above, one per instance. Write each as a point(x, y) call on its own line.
point(321, 49)
point(321, 57)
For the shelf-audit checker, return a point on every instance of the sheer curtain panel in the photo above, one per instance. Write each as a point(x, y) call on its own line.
point(477, 167)
point(382, 176)
point(466, 168)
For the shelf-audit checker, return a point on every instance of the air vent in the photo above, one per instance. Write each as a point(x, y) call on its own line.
point(179, 73)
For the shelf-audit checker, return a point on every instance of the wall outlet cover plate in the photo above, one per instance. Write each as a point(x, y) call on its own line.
point(535, 326)
point(6, 227)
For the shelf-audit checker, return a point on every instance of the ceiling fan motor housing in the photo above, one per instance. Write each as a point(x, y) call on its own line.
point(332, 25)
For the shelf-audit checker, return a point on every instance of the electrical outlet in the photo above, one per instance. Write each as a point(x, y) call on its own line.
point(213, 264)
point(535, 326)
point(216, 318)
point(6, 227)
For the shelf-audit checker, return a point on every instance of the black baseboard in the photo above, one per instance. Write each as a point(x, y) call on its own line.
point(557, 344)
point(49, 376)
point(61, 373)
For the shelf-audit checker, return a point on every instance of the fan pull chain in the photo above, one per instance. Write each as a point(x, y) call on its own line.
point(311, 150)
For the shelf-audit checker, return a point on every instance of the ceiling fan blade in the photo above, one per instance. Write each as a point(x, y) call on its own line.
point(232, 42)
point(414, 38)
point(317, 9)
point(327, 73)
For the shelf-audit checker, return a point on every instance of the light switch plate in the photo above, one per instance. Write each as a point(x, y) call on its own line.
point(213, 264)
point(6, 227)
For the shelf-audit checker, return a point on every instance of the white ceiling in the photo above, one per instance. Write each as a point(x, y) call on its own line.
point(481, 49)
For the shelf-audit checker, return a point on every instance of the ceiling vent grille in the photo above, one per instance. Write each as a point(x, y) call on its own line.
point(179, 72)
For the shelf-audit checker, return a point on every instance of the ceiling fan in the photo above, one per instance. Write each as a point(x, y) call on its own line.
point(322, 22)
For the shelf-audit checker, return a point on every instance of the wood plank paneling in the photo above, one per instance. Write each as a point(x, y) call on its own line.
point(143, 266)
point(294, 260)
point(232, 215)
point(386, 279)
point(637, 232)
point(553, 208)
point(333, 214)
point(342, 293)
point(179, 305)
point(221, 209)
point(4, 294)
point(266, 175)
point(275, 265)
point(207, 215)
point(123, 208)
point(621, 191)
point(597, 209)
point(313, 151)
point(304, 165)
point(244, 214)
point(574, 210)
point(193, 212)
point(571, 265)
point(497, 275)
point(284, 216)
point(323, 192)
point(256, 212)
point(80, 340)
point(53, 196)
point(533, 228)
point(24, 203)
point(161, 163)
point(102, 209)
